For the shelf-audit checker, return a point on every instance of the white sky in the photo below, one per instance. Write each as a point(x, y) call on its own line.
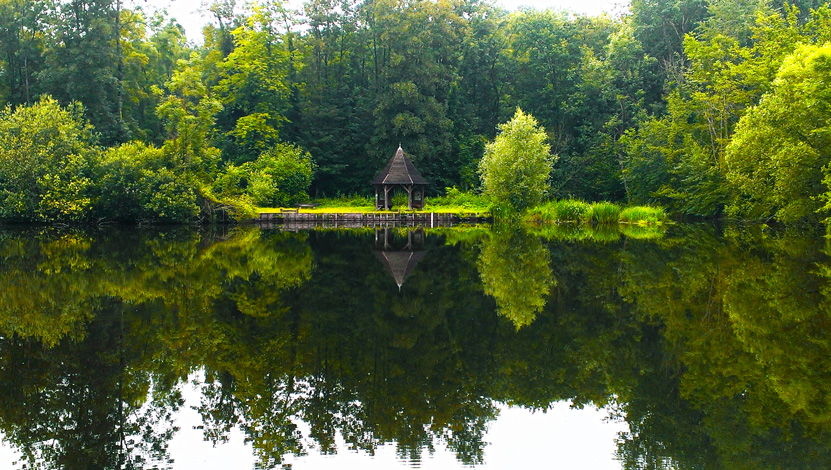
point(188, 12)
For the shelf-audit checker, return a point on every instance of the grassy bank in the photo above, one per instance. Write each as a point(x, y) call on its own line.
point(566, 211)
point(569, 211)
point(454, 202)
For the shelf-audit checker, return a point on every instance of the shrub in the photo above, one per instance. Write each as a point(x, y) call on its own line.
point(135, 185)
point(643, 215)
point(47, 156)
point(281, 176)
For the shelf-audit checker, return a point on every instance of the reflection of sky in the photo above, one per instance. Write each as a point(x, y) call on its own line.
point(561, 438)
point(189, 15)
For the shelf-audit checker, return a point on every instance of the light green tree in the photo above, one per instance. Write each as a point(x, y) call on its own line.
point(46, 155)
point(778, 158)
point(517, 163)
point(188, 112)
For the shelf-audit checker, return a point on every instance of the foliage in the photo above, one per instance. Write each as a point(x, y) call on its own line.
point(777, 158)
point(603, 213)
point(563, 210)
point(46, 162)
point(279, 177)
point(643, 215)
point(516, 166)
point(455, 200)
point(640, 108)
point(135, 184)
point(188, 112)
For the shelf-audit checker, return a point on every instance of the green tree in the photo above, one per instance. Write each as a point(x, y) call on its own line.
point(22, 43)
point(188, 111)
point(47, 154)
point(517, 164)
point(253, 86)
point(778, 158)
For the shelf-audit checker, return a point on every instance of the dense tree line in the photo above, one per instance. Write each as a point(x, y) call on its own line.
point(672, 103)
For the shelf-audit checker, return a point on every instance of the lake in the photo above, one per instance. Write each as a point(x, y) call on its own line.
point(685, 347)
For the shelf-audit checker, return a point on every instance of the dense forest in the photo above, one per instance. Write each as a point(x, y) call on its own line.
point(706, 107)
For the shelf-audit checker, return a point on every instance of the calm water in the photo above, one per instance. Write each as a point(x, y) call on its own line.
point(693, 348)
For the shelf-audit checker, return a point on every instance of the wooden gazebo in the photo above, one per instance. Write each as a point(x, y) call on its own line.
point(399, 172)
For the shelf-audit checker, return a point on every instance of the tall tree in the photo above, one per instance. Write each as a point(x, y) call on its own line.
point(83, 63)
point(517, 164)
point(22, 42)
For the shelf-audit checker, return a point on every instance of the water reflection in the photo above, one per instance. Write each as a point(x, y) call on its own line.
point(712, 347)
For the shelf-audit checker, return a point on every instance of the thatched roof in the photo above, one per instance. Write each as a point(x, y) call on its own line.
point(399, 170)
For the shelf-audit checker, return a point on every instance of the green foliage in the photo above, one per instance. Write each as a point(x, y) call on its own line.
point(455, 199)
point(188, 112)
point(136, 184)
point(253, 86)
point(642, 215)
point(777, 159)
point(603, 213)
point(46, 160)
point(516, 166)
point(279, 177)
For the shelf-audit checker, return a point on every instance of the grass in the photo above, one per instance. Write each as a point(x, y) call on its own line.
point(603, 213)
point(458, 202)
point(454, 202)
point(564, 210)
point(570, 211)
point(643, 215)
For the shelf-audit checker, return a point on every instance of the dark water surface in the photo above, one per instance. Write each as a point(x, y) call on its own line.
point(693, 348)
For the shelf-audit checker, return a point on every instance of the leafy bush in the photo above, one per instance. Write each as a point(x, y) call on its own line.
point(47, 155)
point(516, 165)
point(135, 185)
point(280, 177)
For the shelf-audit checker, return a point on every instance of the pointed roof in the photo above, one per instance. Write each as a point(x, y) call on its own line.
point(399, 170)
point(400, 263)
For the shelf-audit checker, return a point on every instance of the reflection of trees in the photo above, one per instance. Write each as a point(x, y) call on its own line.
point(84, 404)
point(515, 270)
point(101, 318)
point(737, 317)
point(690, 337)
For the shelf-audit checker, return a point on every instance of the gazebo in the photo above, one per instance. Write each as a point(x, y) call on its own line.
point(400, 172)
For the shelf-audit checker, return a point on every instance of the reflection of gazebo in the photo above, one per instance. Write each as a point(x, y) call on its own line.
point(399, 262)
point(399, 171)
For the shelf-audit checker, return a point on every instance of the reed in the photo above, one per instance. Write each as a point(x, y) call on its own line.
point(602, 213)
point(643, 215)
point(564, 210)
